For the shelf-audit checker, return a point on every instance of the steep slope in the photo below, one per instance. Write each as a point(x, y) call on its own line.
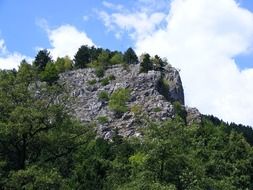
point(151, 97)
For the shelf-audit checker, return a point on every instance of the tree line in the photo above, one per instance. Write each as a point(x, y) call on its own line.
point(100, 59)
point(42, 147)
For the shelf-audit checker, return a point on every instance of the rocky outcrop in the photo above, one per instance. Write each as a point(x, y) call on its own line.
point(146, 100)
point(175, 91)
point(193, 116)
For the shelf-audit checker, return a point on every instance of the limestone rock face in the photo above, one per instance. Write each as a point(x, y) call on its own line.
point(83, 88)
point(176, 92)
point(193, 116)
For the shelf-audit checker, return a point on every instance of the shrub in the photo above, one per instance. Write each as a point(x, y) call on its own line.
point(163, 87)
point(136, 109)
point(111, 77)
point(104, 81)
point(94, 64)
point(103, 58)
point(99, 71)
point(179, 110)
point(102, 119)
point(117, 102)
point(103, 95)
point(92, 82)
point(146, 64)
point(157, 109)
point(63, 64)
point(50, 74)
point(117, 58)
point(125, 66)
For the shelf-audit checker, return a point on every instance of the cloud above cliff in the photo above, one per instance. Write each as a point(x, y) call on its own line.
point(2, 47)
point(137, 22)
point(65, 39)
point(10, 60)
point(202, 39)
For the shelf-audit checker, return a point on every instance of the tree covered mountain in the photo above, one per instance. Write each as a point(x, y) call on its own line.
point(42, 146)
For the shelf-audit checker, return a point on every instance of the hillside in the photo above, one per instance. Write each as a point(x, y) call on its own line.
point(151, 95)
point(113, 121)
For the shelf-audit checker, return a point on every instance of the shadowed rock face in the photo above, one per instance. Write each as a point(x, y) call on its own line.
point(145, 101)
point(174, 91)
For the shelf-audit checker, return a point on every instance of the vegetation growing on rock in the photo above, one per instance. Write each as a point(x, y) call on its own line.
point(118, 100)
point(130, 56)
point(42, 146)
point(103, 95)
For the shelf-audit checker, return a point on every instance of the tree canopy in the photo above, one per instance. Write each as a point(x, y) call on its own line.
point(42, 58)
point(82, 57)
point(146, 63)
point(43, 147)
point(130, 56)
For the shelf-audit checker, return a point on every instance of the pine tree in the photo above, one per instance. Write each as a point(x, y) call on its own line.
point(130, 56)
point(41, 59)
point(82, 57)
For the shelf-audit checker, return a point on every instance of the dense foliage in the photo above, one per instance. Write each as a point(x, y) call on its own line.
point(41, 59)
point(34, 134)
point(82, 57)
point(246, 131)
point(42, 147)
point(130, 56)
point(148, 63)
point(118, 99)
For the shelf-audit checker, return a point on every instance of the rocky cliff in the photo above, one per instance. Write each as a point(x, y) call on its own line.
point(151, 96)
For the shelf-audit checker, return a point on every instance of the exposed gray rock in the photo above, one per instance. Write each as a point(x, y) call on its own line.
point(145, 102)
point(193, 116)
point(175, 92)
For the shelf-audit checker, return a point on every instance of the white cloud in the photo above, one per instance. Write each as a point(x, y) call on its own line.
point(139, 24)
point(10, 60)
point(202, 38)
point(86, 17)
point(153, 5)
point(65, 40)
point(112, 6)
point(2, 47)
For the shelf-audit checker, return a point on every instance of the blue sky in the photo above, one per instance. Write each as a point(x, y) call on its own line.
point(20, 29)
point(209, 41)
point(246, 60)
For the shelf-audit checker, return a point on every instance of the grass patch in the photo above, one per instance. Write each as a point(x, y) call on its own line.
point(99, 71)
point(136, 109)
point(105, 81)
point(111, 77)
point(157, 109)
point(92, 82)
point(102, 119)
point(103, 95)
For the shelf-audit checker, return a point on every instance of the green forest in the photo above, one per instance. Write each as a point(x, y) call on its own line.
point(42, 147)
